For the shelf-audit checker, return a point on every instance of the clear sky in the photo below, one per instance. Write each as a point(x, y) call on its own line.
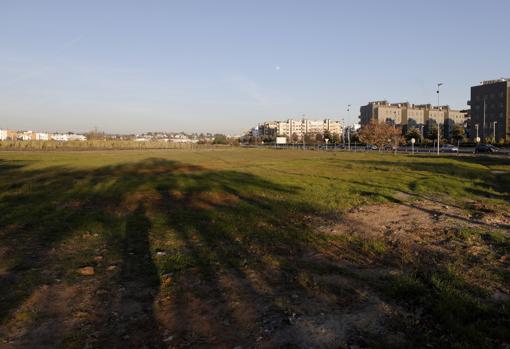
point(223, 66)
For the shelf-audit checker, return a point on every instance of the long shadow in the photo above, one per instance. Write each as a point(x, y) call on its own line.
point(139, 281)
point(183, 256)
point(45, 209)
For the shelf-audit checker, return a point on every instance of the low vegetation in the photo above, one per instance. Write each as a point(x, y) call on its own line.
point(229, 247)
point(95, 144)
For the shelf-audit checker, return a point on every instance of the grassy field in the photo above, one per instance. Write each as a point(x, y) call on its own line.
point(253, 248)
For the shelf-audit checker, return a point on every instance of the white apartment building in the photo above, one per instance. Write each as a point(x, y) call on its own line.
point(75, 137)
point(3, 135)
point(27, 136)
point(59, 137)
point(42, 136)
point(292, 127)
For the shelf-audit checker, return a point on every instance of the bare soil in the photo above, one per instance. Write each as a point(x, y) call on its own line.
point(333, 301)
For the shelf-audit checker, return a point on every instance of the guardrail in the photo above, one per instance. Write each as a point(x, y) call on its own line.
point(363, 148)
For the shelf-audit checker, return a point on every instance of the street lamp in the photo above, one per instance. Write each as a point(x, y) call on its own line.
point(348, 129)
point(326, 140)
point(476, 126)
point(412, 144)
point(343, 133)
point(303, 131)
point(494, 131)
point(438, 86)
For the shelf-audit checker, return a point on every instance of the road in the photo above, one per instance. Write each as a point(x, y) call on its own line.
point(362, 148)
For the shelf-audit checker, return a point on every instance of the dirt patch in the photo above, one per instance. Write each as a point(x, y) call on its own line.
point(315, 298)
point(203, 200)
point(131, 201)
point(210, 200)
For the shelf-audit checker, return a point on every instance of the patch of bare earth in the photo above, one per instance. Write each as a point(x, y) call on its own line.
point(321, 299)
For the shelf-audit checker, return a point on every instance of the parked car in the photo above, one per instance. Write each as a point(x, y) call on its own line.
point(486, 148)
point(390, 147)
point(449, 148)
point(371, 147)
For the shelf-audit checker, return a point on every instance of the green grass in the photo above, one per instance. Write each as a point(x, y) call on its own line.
point(228, 209)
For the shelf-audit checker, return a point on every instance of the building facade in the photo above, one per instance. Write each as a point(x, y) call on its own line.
point(408, 115)
point(382, 111)
point(490, 110)
point(298, 128)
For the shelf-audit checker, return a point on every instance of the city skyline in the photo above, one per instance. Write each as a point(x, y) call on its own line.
point(222, 67)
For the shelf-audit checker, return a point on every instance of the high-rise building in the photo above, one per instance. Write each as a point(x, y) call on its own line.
point(490, 110)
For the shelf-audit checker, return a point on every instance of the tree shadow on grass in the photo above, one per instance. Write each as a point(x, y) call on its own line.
point(183, 256)
point(59, 220)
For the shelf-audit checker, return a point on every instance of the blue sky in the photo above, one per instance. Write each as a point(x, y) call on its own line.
point(223, 66)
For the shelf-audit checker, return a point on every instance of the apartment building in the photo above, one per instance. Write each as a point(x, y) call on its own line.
point(42, 136)
point(408, 115)
point(27, 136)
point(382, 111)
point(490, 110)
point(268, 129)
point(292, 127)
point(334, 127)
point(433, 115)
point(452, 118)
point(412, 116)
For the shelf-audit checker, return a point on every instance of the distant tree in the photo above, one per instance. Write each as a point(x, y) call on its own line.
point(309, 138)
point(95, 135)
point(295, 138)
point(234, 141)
point(327, 135)
point(318, 138)
point(355, 138)
point(458, 133)
point(268, 139)
point(413, 133)
point(220, 139)
point(432, 133)
point(380, 134)
point(335, 138)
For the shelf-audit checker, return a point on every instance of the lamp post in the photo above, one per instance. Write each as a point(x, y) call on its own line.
point(303, 129)
point(438, 86)
point(349, 137)
point(412, 144)
point(494, 131)
point(343, 133)
point(349, 129)
point(326, 140)
point(476, 126)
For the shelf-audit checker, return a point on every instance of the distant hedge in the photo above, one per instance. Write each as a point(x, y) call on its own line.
point(90, 145)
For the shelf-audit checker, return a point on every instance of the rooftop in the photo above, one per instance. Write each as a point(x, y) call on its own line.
point(489, 82)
